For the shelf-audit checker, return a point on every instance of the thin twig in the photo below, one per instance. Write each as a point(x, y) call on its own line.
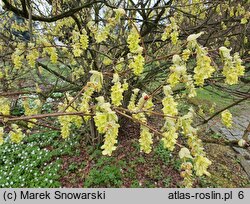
point(9, 118)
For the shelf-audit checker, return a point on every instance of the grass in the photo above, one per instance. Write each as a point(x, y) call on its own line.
point(209, 95)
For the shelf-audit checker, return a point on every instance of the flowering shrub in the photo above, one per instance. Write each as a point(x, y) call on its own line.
point(102, 60)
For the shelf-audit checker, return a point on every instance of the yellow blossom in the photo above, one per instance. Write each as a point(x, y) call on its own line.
point(184, 153)
point(133, 41)
point(226, 117)
point(32, 57)
point(169, 105)
point(117, 91)
point(169, 138)
point(4, 106)
point(106, 123)
point(201, 164)
point(16, 134)
point(137, 65)
point(146, 140)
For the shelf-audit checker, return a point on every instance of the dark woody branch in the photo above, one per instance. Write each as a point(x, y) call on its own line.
point(69, 13)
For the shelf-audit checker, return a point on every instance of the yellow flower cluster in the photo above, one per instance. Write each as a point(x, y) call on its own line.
point(96, 79)
point(184, 153)
point(17, 58)
point(80, 42)
point(51, 51)
point(4, 106)
point(245, 40)
point(119, 13)
point(131, 105)
point(119, 65)
point(110, 139)
point(84, 107)
point(186, 54)
point(239, 68)
point(169, 109)
point(233, 68)
point(106, 122)
point(185, 122)
point(48, 49)
point(201, 164)
point(226, 117)
point(144, 104)
point(1, 135)
point(62, 24)
point(78, 72)
point(169, 138)
point(223, 26)
point(74, 119)
point(203, 69)
point(76, 49)
point(32, 56)
point(192, 40)
point(117, 90)
point(107, 61)
point(16, 134)
point(171, 31)
point(102, 34)
point(178, 70)
point(137, 65)
point(231, 11)
point(84, 40)
point(146, 140)
point(240, 10)
point(227, 42)
point(133, 41)
point(169, 105)
point(67, 120)
point(212, 108)
point(245, 18)
point(190, 87)
point(187, 174)
point(28, 110)
point(186, 167)
point(95, 84)
point(53, 55)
